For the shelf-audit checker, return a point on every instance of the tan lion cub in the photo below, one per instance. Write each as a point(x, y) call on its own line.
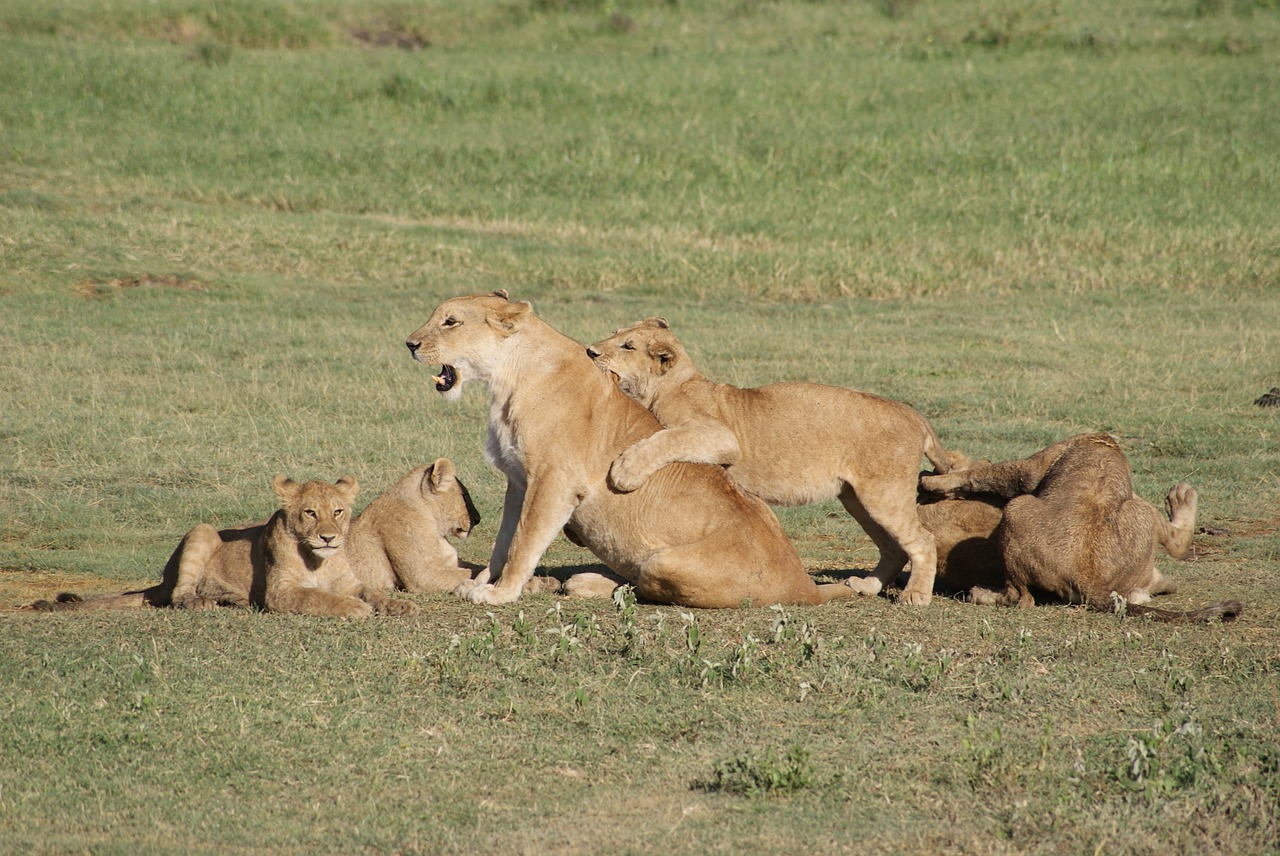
point(788, 443)
point(295, 562)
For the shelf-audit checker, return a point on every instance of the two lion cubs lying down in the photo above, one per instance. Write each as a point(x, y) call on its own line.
point(312, 558)
point(617, 455)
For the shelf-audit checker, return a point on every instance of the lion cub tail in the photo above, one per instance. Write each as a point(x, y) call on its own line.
point(72, 602)
point(1227, 610)
point(942, 461)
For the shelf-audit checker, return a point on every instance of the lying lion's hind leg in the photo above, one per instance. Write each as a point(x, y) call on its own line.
point(1010, 596)
point(191, 558)
point(835, 591)
point(1180, 505)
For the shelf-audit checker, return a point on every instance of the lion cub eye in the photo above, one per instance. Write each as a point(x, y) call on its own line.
point(337, 512)
point(310, 512)
point(627, 346)
point(450, 322)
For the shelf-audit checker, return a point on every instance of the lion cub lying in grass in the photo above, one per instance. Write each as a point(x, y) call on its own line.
point(1064, 522)
point(397, 542)
point(787, 443)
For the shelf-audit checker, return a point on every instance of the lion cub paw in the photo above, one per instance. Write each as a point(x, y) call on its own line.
point(195, 602)
point(948, 485)
point(398, 607)
point(625, 475)
point(865, 586)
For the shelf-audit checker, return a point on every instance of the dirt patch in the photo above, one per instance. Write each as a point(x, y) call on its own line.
point(387, 36)
point(91, 288)
point(18, 589)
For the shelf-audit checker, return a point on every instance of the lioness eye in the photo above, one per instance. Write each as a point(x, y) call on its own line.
point(627, 346)
point(449, 322)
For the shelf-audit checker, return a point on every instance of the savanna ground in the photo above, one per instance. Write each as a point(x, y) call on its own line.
point(219, 220)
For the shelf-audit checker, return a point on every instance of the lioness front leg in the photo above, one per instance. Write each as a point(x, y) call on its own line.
point(546, 509)
point(310, 601)
point(698, 442)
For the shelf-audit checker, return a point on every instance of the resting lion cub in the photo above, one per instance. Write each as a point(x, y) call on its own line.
point(787, 443)
point(1071, 527)
point(688, 536)
point(295, 562)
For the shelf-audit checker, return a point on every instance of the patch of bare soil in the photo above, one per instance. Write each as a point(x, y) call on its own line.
point(91, 288)
point(19, 589)
point(383, 35)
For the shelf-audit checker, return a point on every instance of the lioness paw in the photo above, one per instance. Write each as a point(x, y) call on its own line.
point(916, 598)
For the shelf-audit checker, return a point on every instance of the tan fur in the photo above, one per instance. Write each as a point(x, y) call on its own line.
point(788, 443)
point(298, 561)
point(400, 540)
point(1071, 528)
point(556, 423)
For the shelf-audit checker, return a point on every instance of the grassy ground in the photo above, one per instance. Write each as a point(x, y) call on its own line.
point(219, 220)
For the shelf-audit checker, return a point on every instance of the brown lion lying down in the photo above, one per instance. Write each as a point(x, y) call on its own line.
point(1064, 523)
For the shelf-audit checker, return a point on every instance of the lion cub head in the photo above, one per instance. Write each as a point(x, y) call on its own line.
point(317, 514)
point(449, 500)
point(466, 336)
point(643, 359)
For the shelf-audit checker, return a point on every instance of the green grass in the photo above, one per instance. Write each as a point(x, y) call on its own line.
point(219, 220)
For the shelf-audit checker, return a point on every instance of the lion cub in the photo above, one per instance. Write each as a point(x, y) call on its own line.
point(1071, 527)
point(295, 562)
point(788, 443)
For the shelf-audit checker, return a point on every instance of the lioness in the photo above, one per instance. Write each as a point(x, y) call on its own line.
point(295, 562)
point(787, 443)
point(688, 536)
point(1071, 528)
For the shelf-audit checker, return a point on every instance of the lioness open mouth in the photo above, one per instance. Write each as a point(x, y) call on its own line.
point(446, 379)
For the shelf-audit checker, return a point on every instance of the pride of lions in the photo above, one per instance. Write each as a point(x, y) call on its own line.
point(667, 477)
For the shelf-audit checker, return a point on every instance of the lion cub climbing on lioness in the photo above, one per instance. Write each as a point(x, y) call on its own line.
point(1071, 528)
point(788, 443)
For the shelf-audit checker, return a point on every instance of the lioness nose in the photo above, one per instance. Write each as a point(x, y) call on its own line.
point(412, 346)
point(592, 353)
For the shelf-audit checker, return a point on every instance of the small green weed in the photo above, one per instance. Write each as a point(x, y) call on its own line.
point(762, 774)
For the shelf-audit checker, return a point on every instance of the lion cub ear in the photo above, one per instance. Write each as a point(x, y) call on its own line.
point(507, 319)
point(501, 292)
point(657, 321)
point(440, 476)
point(347, 486)
point(286, 488)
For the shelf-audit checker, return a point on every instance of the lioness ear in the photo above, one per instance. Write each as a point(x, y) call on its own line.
point(508, 318)
point(347, 486)
point(501, 292)
point(286, 488)
point(665, 356)
point(658, 321)
point(440, 475)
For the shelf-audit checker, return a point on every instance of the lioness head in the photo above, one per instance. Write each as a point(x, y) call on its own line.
point(465, 336)
point(317, 513)
point(445, 492)
point(641, 357)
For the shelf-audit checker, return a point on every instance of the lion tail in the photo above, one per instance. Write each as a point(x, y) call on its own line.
point(1227, 610)
point(72, 602)
point(933, 450)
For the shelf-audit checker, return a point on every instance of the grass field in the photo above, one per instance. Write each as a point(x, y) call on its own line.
point(219, 221)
